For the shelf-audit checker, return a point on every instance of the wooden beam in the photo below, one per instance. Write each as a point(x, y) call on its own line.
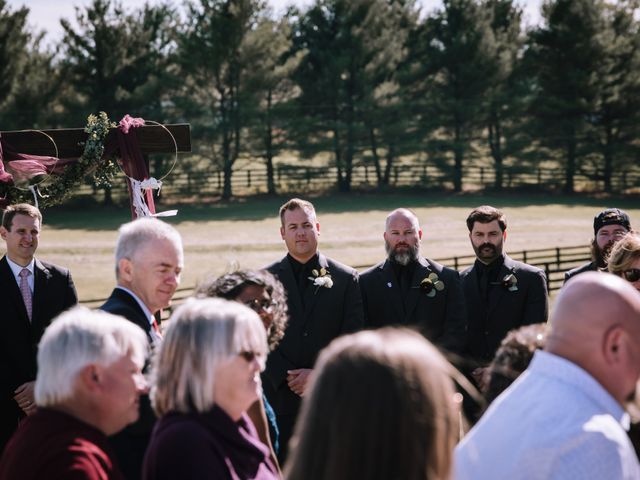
point(152, 138)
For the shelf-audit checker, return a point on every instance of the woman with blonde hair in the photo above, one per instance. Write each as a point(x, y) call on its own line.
point(206, 375)
point(624, 259)
point(382, 405)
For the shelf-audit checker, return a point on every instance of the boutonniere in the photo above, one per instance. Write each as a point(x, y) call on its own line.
point(510, 281)
point(430, 285)
point(321, 278)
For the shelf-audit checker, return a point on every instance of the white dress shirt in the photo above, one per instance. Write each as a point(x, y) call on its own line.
point(555, 422)
point(16, 269)
point(155, 336)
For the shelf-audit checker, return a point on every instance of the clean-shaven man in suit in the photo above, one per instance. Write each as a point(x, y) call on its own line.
point(32, 293)
point(501, 293)
point(324, 302)
point(149, 261)
point(409, 290)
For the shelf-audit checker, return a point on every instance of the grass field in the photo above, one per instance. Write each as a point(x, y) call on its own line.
point(245, 232)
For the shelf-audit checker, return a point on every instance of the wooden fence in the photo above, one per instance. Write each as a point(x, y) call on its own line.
point(247, 181)
point(554, 262)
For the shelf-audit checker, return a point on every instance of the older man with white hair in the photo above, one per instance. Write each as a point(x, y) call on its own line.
point(564, 417)
point(149, 261)
point(88, 385)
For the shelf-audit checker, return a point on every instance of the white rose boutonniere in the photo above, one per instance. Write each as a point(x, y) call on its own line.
point(510, 281)
point(321, 278)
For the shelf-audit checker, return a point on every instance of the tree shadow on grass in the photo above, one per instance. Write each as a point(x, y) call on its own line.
point(88, 215)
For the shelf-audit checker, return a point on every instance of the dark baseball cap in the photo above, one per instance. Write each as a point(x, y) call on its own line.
point(611, 216)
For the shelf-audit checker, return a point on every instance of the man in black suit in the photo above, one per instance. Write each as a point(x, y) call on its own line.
point(32, 293)
point(324, 302)
point(407, 289)
point(501, 293)
point(609, 226)
point(149, 260)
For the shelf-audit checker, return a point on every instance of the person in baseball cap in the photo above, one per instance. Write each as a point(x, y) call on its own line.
point(609, 226)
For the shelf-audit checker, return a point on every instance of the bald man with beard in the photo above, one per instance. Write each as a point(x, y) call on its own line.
point(564, 417)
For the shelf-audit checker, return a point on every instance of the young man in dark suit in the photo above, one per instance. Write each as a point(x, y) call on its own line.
point(407, 289)
point(324, 302)
point(501, 293)
point(32, 293)
point(149, 261)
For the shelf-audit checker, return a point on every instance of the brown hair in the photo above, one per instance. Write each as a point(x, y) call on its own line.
point(624, 253)
point(380, 406)
point(295, 204)
point(486, 214)
point(19, 209)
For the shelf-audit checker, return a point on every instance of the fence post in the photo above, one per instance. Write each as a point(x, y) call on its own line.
point(547, 273)
point(455, 263)
point(248, 178)
point(366, 174)
point(219, 179)
point(558, 257)
point(482, 176)
point(524, 256)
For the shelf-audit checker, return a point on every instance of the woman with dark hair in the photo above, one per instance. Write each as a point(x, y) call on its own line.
point(624, 260)
point(382, 405)
point(265, 295)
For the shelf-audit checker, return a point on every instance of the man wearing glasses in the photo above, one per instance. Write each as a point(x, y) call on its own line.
point(609, 226)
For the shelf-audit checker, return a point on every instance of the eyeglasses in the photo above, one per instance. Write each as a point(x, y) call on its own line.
point(261, 305)
point(632, 275)
point(250, 356)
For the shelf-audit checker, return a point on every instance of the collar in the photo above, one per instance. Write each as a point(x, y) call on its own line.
point(297, 265)
point(492, 267)
point(16, 269)
point(144, 308)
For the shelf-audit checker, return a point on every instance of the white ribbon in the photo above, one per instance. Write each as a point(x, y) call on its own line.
point(138, 189)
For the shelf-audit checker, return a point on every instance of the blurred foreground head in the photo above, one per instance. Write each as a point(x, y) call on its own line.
point(596, 325)
point(382, 405)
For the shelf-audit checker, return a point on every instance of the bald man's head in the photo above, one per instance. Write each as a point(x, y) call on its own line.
point(596, 325)
point(402, 236)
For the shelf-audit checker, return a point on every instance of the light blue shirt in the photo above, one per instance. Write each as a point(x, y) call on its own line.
point(555, 422)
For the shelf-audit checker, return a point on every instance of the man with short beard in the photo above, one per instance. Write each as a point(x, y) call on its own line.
point(407, 289)
point(501, 293)
point(609, 226)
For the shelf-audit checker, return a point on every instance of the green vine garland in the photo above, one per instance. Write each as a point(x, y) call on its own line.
point(90, 163)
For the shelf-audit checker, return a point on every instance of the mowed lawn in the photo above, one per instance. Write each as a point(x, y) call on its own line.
point(245, 232)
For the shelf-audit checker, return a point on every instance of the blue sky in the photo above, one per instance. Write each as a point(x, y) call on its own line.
point(46, 14)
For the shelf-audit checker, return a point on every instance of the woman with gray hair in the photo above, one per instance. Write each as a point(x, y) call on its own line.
point(624, 260)
point(205, 376)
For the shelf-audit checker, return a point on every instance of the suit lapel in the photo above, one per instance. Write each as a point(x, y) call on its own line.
point(41, 280)
point(13, 291)
point(312, 291)
point(422, 270)
point(391, 289)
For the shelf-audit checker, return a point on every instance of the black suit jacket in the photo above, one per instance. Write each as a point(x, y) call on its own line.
point(489, 323)
point(53, 293)
point(131, 443)
point(327, 314)
point(440, 318)
point(587, 267)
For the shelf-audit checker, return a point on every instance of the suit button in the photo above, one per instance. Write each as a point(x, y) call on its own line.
point(305, 334)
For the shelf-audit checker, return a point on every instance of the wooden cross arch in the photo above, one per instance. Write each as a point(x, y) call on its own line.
point(141, 141)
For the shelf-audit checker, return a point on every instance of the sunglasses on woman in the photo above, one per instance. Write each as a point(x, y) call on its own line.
point(632, 275)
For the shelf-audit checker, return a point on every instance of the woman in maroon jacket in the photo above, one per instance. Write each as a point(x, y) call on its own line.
point(206, 375)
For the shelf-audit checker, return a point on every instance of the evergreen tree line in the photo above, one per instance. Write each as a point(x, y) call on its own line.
point(362, 81)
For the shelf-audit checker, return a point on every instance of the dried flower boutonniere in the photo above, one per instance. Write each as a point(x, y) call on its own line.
point(430, 285)
point(321, 278)
point(510, 281)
